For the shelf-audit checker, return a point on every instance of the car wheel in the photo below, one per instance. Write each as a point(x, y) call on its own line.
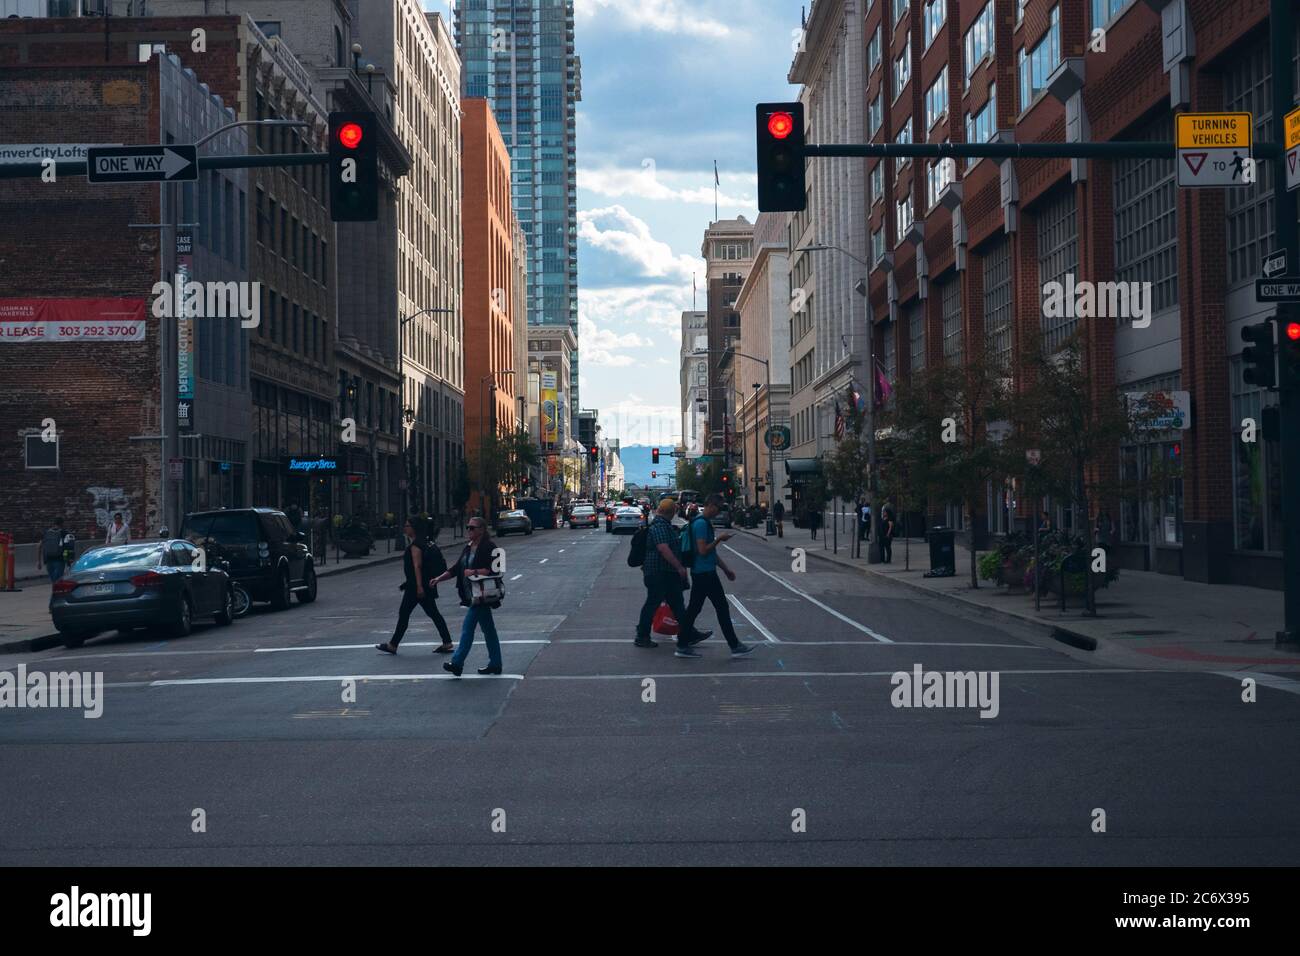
point(282, 593)
point(227, 613)
point(74, 638)
point(185, 623)
point(309, 595)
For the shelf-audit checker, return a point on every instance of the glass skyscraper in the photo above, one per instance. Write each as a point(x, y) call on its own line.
point(519, 55)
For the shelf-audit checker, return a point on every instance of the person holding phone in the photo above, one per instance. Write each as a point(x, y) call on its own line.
point(705, 583)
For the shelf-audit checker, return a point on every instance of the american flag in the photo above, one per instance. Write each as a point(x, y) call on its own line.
point(839, 423)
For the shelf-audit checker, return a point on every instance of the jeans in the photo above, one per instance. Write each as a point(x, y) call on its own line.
point(662, 587)
point(54, 569)
point(707, 584)
point(886, 548)
point(478, 615)
point(430, 606)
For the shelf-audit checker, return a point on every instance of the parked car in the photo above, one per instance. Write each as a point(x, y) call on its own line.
point(723, 518)
point(163, 583)
point(508, 521)
point(627, 519)
point(583, 516)
point(261, 549)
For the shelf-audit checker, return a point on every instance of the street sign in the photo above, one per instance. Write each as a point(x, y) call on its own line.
point(1292, 168)
point(777, 438)
point(1213, 148)
point(142, 164)
point(1274, 264)
point(1286, 289)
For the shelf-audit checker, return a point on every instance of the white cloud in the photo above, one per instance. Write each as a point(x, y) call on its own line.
point(662, 16)
point(614, 230)
point(640, 423)
point(598, 345)
point(649, 182)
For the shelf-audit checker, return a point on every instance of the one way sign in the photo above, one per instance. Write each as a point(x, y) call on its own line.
point(142, 164)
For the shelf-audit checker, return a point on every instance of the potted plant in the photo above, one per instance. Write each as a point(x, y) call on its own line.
point(354, 538)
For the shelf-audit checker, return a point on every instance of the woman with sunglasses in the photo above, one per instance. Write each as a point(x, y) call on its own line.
point(418, 562)
point(475, 561)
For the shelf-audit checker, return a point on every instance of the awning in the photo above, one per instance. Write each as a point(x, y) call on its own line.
point(801, 470)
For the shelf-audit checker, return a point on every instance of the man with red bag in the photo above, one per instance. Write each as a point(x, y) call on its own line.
point(665, 577)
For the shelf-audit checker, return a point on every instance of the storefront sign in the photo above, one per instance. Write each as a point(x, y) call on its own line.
point(311, 465)
point(1171, 410)
point(24, 321)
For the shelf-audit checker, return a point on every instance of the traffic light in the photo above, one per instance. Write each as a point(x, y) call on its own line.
point(1289, 346)
point(354, 167)
point(1258, 356)
point(593, 453)
point(654, 456)
point(728, 488)
point(780, 137)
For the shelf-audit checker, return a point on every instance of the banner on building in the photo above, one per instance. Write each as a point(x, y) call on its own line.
point(550, 409)
point(184, 321)
point(1164, 411)
point(71, 320)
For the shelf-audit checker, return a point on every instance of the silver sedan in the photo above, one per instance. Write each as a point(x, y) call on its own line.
point(508, 521)
point(627, 519)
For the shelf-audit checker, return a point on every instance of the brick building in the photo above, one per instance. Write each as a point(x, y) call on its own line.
point(88, 256)
point(960, 255)
point(490, 275)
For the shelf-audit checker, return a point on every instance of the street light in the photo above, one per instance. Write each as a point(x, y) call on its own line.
point(767, 370)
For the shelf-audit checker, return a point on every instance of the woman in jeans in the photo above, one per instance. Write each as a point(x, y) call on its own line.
point(475, 561)
point(416, 564)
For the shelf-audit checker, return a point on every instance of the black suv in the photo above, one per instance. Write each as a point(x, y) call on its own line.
point(261, 551)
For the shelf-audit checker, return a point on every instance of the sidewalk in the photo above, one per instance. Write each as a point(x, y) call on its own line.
point(25, 615)
point(1143, 619)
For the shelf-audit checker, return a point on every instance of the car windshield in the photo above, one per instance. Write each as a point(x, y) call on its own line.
point(234, 528)
point(122, 556)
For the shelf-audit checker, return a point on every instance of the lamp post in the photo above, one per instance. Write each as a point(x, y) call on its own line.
point(482, 458)
point(767, 370)
point(401, 353)
point(873, 484)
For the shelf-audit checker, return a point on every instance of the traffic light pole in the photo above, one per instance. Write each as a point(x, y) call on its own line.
point(1282, 30)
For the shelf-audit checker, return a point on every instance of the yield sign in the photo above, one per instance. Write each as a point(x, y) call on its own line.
point(1194, 161)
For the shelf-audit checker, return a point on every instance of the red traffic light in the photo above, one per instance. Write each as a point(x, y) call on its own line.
point(780, 125)
point(1293, 331)
point(350, 135)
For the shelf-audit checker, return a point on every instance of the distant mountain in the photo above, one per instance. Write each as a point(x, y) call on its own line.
point(637, 465)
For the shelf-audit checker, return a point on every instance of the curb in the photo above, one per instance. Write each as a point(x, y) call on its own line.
point(46, 641)
point(1060, 633)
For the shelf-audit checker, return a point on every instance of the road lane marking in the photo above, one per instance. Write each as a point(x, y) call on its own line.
point(356, 647)
point(516, 577)
point(561, 551)
point(543, 561)
point(771, 639)
point(808, 597)
point(212, 681)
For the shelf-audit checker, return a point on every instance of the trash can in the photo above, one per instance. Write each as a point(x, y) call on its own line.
point(771, 525)
point(943, 559)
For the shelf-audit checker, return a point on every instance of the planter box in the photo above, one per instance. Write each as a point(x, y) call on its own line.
point(354, 547)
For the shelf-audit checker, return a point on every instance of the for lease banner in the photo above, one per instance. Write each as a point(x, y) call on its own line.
point(71, 320)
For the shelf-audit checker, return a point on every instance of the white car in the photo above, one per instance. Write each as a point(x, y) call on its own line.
point(627, 519)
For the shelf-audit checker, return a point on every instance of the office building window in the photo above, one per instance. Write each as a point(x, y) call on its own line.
point(877, 245)
point(979, 41)
point(1146, 224)
point(983, 126)
point(878, 181)
point(1256, 472)
point(916, 332)
point(939, 173)
point(936, 99)
point(950, 310)
point(903, 218)
point(904, 135)
point(1151, 482)
point(873, 48)
point(903, 66)
point(1058, 258)
point(935, 10)
point(997, 303)
point(1103, 11)
point(1037, 65)
point(875, 114)
point(899, 7)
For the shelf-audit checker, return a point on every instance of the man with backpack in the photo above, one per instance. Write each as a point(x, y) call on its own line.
point(700, 552)
point(53, 552)
point(654, 550)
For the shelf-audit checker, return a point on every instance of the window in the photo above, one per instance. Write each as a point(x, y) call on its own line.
point(899, 7)
point(981, 127)
point(916, 331)
point(269, 28)
point(1103, 11)
point(1256, 473)
point(903, 66)
point(1151, 502)
point(875, 115)
point(997, 303)
point(935, 11)
point(1037, 65)
point(1058, 258)
point(1146, 226)
point(41, 453)
point(938, 174)
point(902, 218)
point(936, 99)
point(877, 182)
point(873, 49)
point(889, 355)
point(979, 41)
point(877, 245)
point(904, 135)
point(950, 312)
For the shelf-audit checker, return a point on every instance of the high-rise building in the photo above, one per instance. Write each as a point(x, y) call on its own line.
point(728, 252)
point(694, 380)
point(519, 54)
point(489, 283)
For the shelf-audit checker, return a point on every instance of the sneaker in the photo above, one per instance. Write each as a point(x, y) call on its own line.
point(639, 642)
point(699, 636)
point(740, 650)
point(686, 651)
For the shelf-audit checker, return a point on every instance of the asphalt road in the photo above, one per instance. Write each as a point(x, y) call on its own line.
point(563, 760)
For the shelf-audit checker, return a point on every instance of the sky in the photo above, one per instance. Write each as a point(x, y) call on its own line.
point(668, 87)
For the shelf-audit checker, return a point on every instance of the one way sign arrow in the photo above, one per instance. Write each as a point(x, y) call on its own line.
point(142, 164)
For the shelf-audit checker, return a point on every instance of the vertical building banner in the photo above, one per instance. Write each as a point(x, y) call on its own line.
point(550, 409)
point(184, 333)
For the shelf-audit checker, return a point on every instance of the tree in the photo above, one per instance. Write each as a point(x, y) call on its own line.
point(505, 459)
point(847, 467)
point(460, 490)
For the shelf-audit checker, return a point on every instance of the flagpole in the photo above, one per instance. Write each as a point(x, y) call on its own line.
point(715, 190)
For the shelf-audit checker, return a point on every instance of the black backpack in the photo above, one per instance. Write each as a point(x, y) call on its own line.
point(434, 563)
point(636, 556)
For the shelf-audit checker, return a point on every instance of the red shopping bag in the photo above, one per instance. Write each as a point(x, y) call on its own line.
point(664, 622)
